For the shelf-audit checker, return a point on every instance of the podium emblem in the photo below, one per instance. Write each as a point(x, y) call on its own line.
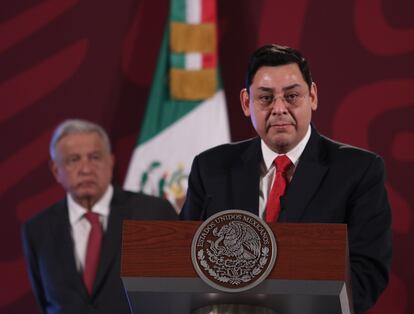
point(233, 251)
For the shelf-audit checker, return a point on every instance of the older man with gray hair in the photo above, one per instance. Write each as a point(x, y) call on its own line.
point(72, 248)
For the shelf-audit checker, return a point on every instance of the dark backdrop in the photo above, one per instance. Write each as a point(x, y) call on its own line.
point(95, 60)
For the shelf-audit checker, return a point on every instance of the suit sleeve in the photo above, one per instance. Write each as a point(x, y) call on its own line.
point(33, 266)
point(195, 200)
point(369, 236)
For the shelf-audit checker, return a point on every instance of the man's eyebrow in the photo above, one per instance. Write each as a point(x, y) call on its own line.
point(265, 89)
point(289, 87)
point(286, 88)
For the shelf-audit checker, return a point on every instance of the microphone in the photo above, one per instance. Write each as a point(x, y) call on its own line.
point(282, 203)
point(282, 214)
point(206, 204)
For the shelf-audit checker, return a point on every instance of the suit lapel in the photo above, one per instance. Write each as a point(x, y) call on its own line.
point(305, 182)
point(111, 242)
point(61, 235)
point(245, 175)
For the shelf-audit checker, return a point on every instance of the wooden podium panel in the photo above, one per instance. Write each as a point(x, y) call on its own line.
point(310, 273)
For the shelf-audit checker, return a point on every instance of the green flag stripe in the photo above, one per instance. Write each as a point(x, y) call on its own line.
point(178, 11)
point(177, 60)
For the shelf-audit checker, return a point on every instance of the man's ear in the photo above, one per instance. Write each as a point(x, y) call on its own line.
point(245, 102)
point(314, 97)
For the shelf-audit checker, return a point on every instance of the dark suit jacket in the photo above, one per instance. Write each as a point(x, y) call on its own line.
point(333, 183)
point(49, 251)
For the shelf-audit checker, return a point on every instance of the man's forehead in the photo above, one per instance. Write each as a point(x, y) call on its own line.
point(280, 77)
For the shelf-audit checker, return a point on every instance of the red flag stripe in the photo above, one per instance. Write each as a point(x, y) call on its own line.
point(209, 60)
point(208, 11)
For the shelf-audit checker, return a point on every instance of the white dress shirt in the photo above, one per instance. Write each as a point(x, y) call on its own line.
point(80, 226)
point(268, 169)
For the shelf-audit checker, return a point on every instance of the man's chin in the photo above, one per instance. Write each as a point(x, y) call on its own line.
point(87, 193)
point(86, 189)
point(280, 144)
point(86, 199)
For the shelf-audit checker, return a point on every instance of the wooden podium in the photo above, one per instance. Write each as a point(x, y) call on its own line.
point(311, 273)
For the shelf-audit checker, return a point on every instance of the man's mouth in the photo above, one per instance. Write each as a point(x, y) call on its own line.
point(280, 124)
point(86, 184)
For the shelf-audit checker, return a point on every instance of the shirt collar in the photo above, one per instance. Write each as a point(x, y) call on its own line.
point(102, 207)
point(294, 154)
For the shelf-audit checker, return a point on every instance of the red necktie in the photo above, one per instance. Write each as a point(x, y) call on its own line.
point(282, 163)
point(93, 250)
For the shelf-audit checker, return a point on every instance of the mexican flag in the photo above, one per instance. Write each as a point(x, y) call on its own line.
point(186, 111)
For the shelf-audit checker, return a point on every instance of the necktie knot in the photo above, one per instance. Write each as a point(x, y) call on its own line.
point(282, 163)
point(92, 217)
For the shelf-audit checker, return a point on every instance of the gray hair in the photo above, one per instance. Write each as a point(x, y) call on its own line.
point(74, 126)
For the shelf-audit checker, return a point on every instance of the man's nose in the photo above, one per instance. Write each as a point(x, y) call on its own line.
point(279, 105)
point(85, 165)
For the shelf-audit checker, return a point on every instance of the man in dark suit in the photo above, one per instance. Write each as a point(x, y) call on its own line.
point(73, 263)
point(323, 181)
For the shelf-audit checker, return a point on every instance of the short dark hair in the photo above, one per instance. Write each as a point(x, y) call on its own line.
point(275, 55)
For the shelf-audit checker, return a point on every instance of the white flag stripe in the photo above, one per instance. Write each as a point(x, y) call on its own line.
point(193, 61)
point(193, 11)
point(204, 127)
